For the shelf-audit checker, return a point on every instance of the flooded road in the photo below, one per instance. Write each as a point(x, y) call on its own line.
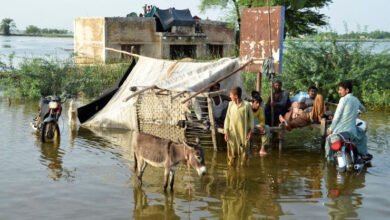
point(89, 175)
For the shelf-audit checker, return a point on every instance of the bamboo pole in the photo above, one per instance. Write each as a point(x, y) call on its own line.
point(139, 92)
point(124, 52)
point(258, 82)
point(179, 94)
point(217, 81)
point(212, 124)
point(217, 93)
point(331, 103)
point(272, 100)
point(159, 92)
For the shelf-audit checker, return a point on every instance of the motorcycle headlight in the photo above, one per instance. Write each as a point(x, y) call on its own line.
point(53, 105)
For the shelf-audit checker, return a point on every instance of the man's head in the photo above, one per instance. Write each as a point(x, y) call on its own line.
point(215, 87)
point(257, 101)
point(235, 93)
point(254, 93)
point(345, 87)
point(277, 86)
point(312, 90)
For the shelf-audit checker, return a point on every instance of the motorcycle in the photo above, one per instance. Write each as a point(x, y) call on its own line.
point(345, 152)
point(46, 123)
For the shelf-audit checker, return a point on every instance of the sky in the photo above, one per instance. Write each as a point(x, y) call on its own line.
point(357, 14)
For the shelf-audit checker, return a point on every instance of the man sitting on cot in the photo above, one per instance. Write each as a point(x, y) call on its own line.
point(304, 104)
point(310, 110)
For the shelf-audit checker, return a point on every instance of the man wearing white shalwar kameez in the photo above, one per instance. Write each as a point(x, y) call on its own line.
point(344, 120)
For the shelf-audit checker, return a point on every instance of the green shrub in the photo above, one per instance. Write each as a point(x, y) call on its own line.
point(47, 76)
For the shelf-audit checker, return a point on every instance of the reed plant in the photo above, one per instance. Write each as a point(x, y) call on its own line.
point(37, 77)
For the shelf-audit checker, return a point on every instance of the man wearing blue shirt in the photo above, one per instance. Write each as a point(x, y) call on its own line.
point(344, 120)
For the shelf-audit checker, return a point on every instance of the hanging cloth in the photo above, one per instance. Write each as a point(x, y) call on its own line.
point(268, 67)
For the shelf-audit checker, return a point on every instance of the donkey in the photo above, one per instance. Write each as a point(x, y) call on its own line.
point(159, 152)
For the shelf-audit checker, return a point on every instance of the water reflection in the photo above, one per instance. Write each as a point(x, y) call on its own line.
point(344, 200)
point(116, 141)
point(264, 189)
point(235, 204)
point(51, 157)
point(293, 184)
point(159, 208)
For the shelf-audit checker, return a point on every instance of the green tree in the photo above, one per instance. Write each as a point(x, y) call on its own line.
point(301, 17)
point(6, 25)
point(132, 14)
point(31, 29)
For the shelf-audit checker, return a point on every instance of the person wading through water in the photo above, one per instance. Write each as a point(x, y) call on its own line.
point(238, 127)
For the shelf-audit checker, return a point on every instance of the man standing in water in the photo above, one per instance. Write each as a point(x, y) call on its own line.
point(238, 127)
point(344, 120)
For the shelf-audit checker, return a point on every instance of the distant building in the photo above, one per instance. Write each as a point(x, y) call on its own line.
point(169, 34)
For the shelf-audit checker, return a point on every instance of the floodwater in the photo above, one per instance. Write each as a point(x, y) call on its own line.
point(24, 47)
point(89, 175)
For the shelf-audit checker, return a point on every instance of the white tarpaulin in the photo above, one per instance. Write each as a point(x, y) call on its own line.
point(165, 74)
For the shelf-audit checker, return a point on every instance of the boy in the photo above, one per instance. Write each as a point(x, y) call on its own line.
point(258, 115)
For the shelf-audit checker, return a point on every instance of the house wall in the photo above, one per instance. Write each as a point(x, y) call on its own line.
point(133, 31)
point(89, 40)
point(92, 35)
point(219, 33)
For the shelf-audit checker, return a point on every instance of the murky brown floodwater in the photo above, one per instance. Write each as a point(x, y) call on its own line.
point(89, 176)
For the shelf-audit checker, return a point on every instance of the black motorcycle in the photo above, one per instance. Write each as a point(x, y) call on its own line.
point(46, 123)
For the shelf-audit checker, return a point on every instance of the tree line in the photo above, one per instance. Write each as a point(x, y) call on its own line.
point(8, 26)
point(376, 35)
point(31, 29)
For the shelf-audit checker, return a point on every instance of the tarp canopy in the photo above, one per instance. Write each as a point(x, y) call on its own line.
point(165, 74)
point(173, 17)
point(86, 112)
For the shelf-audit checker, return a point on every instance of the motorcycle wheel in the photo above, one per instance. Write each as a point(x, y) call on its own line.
point(50, 132)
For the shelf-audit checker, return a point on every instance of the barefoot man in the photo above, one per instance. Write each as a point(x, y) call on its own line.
point(298, 119)
point(238, 127)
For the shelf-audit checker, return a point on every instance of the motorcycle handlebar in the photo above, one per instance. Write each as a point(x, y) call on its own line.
point(62, 98)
